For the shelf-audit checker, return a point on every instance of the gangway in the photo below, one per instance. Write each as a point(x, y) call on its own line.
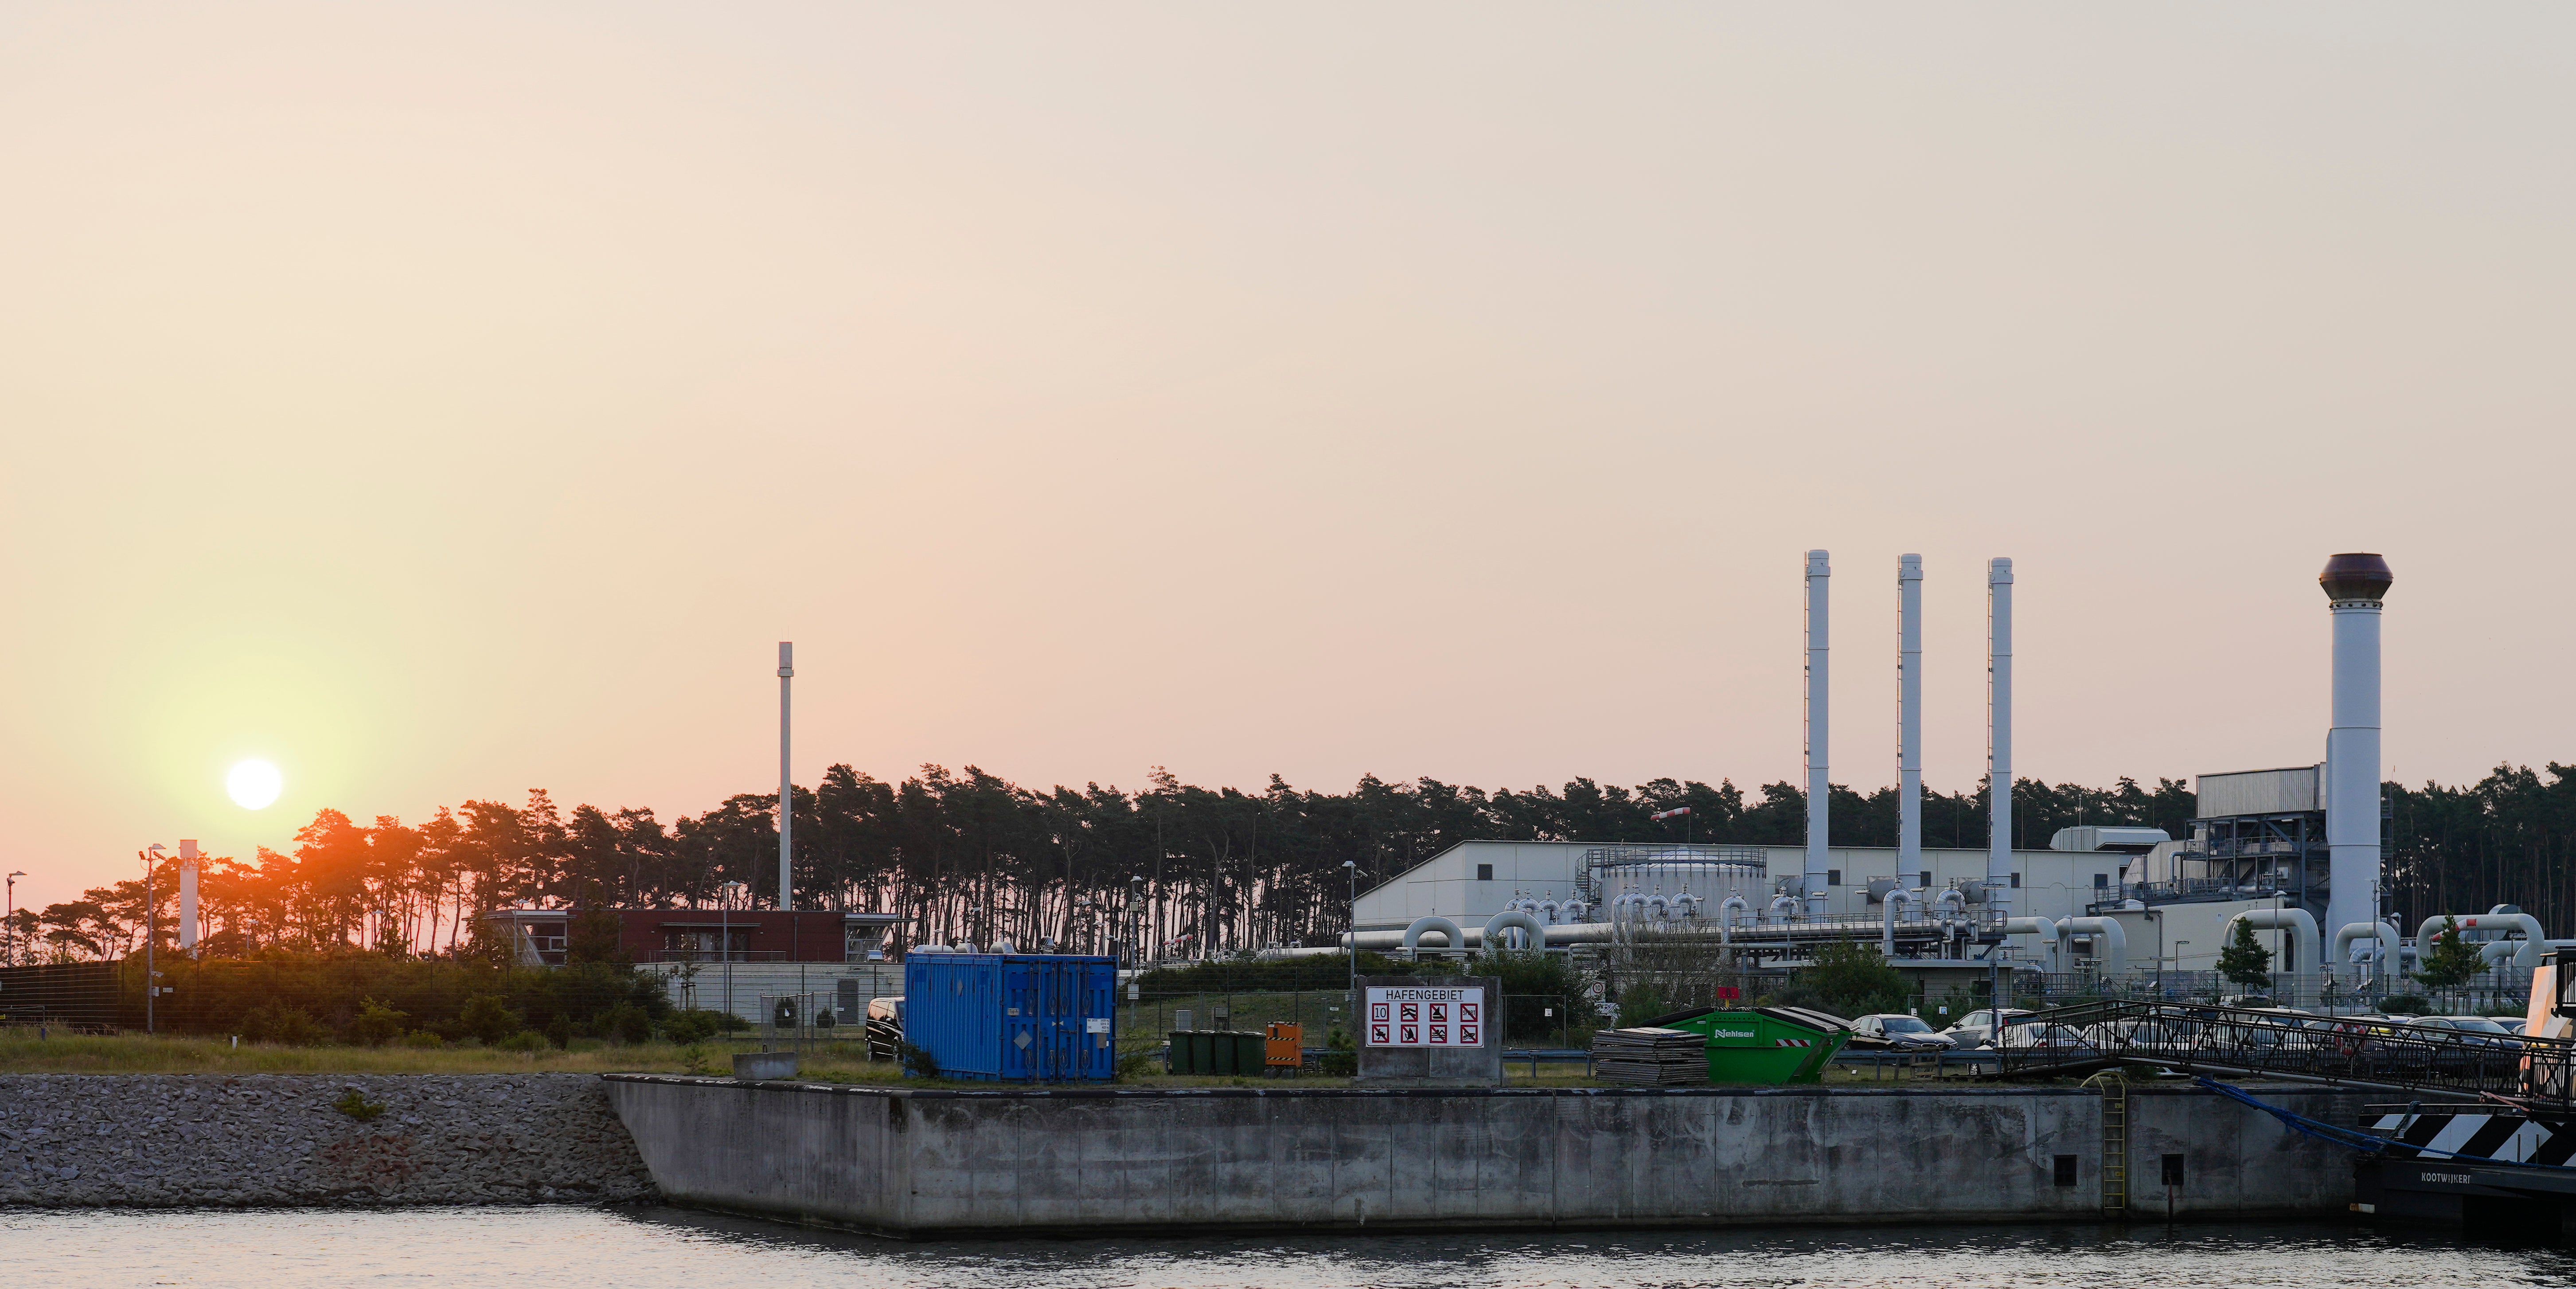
point(2374, 1053)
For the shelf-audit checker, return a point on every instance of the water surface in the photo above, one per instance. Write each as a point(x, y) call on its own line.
point(520, 1248)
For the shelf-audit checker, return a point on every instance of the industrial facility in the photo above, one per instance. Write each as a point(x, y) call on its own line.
point(2293, 853)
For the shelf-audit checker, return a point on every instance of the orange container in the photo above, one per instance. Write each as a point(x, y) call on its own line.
point(1286, 1046)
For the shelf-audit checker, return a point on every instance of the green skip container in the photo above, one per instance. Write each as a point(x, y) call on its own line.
point(1771, 1045)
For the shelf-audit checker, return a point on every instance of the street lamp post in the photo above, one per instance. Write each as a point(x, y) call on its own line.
point(151, 931)
point(1351, 869)
point(11, 920)
point(724, 935)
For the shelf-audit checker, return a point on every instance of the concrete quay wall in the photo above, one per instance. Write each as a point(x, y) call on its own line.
point(166, 1140)
point(927, 1163)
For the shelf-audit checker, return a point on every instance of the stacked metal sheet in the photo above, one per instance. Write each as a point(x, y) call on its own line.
point(1650, 1057)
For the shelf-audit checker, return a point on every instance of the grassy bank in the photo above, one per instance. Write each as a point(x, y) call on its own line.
point(21, 1052)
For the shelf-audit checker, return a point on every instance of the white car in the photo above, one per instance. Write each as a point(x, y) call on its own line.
point(1976, 1029)
point(1898, 1032)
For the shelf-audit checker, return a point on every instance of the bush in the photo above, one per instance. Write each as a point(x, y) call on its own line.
point(376, 1024)
point(422, 1039)
point(559, 1030)
point(1851, 979)
point(2406, 1005)
point(355, 1104)
point(627, 1023)
point(526, 1040)
point(1340, 1065)
point(1641, 1003)
point(698, 1024)
point(918, 1063)
point(288, 1026)
point(486, 1018)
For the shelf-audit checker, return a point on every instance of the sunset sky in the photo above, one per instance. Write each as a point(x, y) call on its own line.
point(446, 400)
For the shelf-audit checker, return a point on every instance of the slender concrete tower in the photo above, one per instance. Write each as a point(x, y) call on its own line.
point(1819, 786)
point(1999, 775)
point(188, 896)
point(1909, 719)
point(2356, 585)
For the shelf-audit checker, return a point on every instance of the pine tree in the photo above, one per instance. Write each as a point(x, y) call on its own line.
point(2451, 961)
point(2244, 961)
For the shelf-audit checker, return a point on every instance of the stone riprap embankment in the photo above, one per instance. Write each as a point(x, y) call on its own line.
point(273, 1139)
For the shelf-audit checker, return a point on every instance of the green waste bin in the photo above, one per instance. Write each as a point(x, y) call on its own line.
point(1251, 1053)
point(1767, 1044)
point(1222, 1044)
point(1202, 1052)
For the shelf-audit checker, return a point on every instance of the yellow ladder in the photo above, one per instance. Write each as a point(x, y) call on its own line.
point(2115, 1141)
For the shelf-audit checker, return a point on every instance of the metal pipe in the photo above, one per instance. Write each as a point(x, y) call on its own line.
point(2105, 929)
point(1784, 908)
point(1819, 780)
point(2356, 586)
point(1728, 907)
point(2535, 941)
point(2305, 948)
point(1909, 718)
point(1953, 896)
point(1999, 780)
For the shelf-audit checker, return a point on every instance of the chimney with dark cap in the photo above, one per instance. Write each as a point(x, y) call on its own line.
point(2355, 586)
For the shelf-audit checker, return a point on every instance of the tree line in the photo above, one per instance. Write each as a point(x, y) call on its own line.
point(968, 855)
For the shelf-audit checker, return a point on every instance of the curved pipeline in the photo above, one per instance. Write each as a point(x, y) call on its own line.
point(2385, 935)
point(1784, 908)
point(2534, 940)
point(1887, 931)
point(2106, 930)
point(1508, 919)
point(2039, 927)
point(1953, 896)
point(1413, 934)
point(1726, 909)
point(2305, 947)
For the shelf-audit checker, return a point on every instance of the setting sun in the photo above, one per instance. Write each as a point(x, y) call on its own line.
point(253, 784)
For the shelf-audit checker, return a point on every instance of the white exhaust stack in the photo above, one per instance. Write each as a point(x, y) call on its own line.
point(1999, 777)
point(1819, 789)
point(2356, 585)
point(188, 896)
point(1909, 718)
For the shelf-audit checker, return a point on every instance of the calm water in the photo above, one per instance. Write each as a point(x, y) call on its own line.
point(520, 1248)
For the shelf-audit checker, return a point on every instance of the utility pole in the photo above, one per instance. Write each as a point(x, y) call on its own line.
point(786, 786)
point(1352, 869)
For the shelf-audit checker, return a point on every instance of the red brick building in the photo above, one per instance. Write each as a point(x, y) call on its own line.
point(703, 935)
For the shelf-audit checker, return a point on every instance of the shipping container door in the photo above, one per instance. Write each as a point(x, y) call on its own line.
point(1019, 1017)
point(1098, 1042)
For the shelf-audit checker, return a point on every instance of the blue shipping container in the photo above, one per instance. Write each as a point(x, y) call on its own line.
point(1013, 1017)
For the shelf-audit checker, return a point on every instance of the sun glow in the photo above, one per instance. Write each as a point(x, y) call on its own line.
point(253, 784)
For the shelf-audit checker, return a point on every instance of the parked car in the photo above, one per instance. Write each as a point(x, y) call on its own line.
point(1897, 1032)
point(2036, 1036)
point(2476, 1031)
point(1976, 1029)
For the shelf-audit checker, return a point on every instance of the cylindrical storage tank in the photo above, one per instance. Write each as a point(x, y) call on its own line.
point(1710, 872)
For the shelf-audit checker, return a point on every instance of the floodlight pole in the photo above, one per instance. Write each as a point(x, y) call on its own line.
point(10, 920)
point(1352, 869)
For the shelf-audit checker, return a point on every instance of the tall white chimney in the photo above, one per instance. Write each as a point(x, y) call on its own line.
point(2356, 585)
point(1999, 775)
point(188, 896)
point(1819, 787)
point(1909, 718)
point(786, 785)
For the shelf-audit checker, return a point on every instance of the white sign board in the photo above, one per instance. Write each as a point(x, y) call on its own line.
point(1425, 1016)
